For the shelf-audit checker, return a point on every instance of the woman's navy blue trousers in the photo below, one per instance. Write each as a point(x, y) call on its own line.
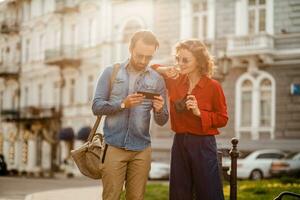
point(194, 168)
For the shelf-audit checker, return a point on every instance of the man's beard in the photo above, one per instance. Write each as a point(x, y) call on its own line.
point(137, 66)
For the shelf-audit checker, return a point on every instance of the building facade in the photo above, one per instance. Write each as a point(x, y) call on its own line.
point(52, 52)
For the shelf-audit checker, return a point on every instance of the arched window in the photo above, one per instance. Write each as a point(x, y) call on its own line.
point(255, 106)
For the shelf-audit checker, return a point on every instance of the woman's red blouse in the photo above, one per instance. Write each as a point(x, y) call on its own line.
point(211, 102)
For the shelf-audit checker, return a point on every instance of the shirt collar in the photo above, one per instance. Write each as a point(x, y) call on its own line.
point(202, 82)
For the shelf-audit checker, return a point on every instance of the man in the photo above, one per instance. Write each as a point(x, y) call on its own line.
point(126, 127)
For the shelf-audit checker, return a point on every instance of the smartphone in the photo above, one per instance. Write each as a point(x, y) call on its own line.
point(148, 95)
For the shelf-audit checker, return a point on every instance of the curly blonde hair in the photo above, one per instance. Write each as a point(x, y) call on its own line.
point(200, 52)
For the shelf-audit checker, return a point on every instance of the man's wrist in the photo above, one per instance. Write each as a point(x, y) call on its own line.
point(158, 111)
point(123, 105)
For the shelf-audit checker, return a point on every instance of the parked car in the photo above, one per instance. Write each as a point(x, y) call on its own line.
point(257, 164)
point(159, 170)
point(287, 166)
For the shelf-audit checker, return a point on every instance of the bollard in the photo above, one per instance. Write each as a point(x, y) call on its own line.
point(234, 154)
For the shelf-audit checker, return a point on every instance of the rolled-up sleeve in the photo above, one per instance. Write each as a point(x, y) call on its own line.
point(162, 117)
point(101, 104)
point(218, 117)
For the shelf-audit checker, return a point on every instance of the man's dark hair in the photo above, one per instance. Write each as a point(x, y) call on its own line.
point(146, 36)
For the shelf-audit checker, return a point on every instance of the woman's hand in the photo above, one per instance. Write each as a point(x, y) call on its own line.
point(170, 71)
point(192, 104)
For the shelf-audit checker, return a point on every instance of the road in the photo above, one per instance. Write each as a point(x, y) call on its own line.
point(16, 188)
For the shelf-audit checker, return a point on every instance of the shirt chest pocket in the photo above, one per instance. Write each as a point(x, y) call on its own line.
point(118, 87)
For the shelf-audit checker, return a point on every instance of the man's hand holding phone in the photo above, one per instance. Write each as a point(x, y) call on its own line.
point(158, 101)
point(137, 98)
point(133, 100)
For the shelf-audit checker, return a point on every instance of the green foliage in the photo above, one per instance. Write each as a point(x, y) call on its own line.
point(264, 190)
point(155, 191)
point(247, 190)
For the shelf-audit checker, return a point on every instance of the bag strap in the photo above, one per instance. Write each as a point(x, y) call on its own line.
point(114, 73)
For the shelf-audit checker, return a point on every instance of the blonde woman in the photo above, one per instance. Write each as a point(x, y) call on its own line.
point(197, 110)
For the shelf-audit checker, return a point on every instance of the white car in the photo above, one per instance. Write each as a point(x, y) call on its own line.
point(257, 164)
point(289, 165)
point(159, 170)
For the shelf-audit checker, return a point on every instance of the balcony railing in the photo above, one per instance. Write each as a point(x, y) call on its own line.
point(9, 71)
point(250, 45)
point(9, 26)
point(30, 113)
point(42, 112)
point(63, 56)
point(66, 6)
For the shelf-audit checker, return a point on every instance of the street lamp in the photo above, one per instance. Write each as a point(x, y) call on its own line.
point(224, 64)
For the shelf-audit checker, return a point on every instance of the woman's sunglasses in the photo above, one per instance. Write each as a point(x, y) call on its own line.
point(183, 60)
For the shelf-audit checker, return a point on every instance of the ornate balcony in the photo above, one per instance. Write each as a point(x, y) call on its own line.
point(30, 114)
point(9, 71)
point(9, 114)
point(240, 46)
point(66, 6)
point(9, 27)
point(65, 56)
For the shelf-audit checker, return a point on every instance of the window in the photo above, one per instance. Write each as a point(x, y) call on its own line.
point(40, 94)
point(42, 47)
point(72, 91)
point(270, 156)
point(255, 106)
point(246, 103)
point(199, 21)
point(90, 90)
point(57, 38)
point(256, 16)
point(56, 94)
point(92, 34)
point(1, 55)
point(42, 7)
point(265, 102)
point(15, 101)
point(27, 50)
point(1, 100)
point(26, 11)
point(26, 96)
point(74, 34)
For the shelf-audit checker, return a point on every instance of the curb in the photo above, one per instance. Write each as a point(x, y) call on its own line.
point(91, 193)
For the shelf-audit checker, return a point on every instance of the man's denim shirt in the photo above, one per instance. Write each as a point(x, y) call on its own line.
point(128, 128)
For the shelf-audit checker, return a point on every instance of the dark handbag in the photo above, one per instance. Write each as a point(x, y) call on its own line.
point(89, 158)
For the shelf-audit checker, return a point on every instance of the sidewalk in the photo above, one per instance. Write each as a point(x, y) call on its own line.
point(91, 193)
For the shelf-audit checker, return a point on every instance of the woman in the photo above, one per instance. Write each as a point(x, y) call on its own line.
point(197, 110)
